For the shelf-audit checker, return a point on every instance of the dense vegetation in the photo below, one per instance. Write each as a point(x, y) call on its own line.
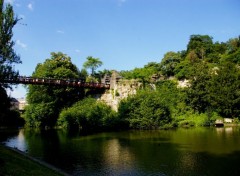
point(212, 90)
point(8, 58)
point(89, 114)
point(46, 102)
point(210, 70)
point(213, 85)
point(145, 111)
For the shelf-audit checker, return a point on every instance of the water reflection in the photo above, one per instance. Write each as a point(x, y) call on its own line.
point(225, 130)
point(117, 156)
point(18, 141)
point(196, 151)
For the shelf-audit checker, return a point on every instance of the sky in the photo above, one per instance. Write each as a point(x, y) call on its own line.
point(123, 34)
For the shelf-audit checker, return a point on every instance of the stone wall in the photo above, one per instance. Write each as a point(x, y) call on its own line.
point(118, 91)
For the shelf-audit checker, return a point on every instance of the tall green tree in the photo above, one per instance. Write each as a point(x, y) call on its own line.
point(200, 44)
point(92, 63)
point(8, 56)
point(198, 93)
point(169, 63)
point(45, 102)
point(225, 90)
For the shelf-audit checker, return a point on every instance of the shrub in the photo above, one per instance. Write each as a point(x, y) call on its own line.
point(88, 114)
point(191, 119)
point(144, 111)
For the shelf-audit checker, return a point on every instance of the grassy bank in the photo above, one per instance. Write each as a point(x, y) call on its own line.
point(15, 164)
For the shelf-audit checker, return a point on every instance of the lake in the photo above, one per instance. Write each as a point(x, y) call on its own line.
point(194, 151)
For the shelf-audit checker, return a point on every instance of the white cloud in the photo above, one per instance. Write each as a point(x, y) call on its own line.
point(60, 32)
point(22, 45)
point(30, 6)
point(77, 50)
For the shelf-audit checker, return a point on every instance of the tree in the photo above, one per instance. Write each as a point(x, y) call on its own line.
point(146, 110)
point(225, 90)
point(169, 63)
point(198, 93)
point(200, 44)
point(8, 56)
point(89, 115)
point(142, 74)
point(233, 45)
point(46, 101)
point(92, 63)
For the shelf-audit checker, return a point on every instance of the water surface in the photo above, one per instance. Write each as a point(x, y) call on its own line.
point(195, 151)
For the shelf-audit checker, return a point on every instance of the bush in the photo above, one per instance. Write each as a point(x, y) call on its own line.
point(144, 111)
point(193, 119)
point(40, 115)
point(88, 114)
point(186, 123)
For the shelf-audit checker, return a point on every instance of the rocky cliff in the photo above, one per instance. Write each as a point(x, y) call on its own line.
point(118, 91)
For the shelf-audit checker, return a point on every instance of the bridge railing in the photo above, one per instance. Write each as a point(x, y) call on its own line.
point(55, 82)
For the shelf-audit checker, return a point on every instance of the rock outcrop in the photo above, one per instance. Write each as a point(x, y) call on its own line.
point(119, 89)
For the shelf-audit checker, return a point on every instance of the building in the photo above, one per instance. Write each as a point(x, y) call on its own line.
point(18, 104)
point(14, 104)
point(22, 104)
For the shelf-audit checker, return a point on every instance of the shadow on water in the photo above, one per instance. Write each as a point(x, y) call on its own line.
point(198, 151)
point(6, 134)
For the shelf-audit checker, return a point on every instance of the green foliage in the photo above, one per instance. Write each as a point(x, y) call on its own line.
point(144, 75)
point(172, 96)
point(212, 70)
point(91, 79)
point(198, 96)
point(88, 114)
point(183, 70)
point(40, 115)
point(146, 110)
point(233, 45)
point(233, 57)
point(46, 102)
point(8, 117)
point(117, 93)
point(169, 63)
point(201, 45)
point(92, 63)
point(224, 91)
point(193, 119)
point(8, 57)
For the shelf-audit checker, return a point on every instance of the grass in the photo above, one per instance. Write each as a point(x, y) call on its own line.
point(14, 164)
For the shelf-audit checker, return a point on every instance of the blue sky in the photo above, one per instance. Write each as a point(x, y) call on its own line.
point(124, 34)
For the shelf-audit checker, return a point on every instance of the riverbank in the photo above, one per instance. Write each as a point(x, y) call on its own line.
point(16, 163)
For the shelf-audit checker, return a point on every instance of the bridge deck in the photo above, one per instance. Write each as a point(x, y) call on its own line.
point(56, 82)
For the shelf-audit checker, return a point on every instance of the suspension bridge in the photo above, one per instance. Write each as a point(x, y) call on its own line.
point(77, 83)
